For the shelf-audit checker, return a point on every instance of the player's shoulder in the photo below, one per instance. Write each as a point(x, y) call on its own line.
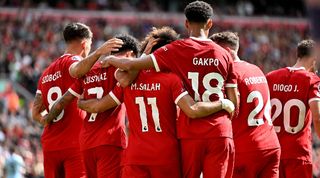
point(244, 64)
point(277, 72)
point(166, 77)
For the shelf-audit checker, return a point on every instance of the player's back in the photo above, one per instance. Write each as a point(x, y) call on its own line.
point(205, 69)
point(253, 129)
point(54, 82)
point(291, 92)
point(151, 109)
point(106, 128)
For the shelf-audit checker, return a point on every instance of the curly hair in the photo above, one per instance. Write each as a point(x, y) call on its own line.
point(130, 43)
point(165, 34)
point(76, 31)
point(226, 38)
point(198, 11)
point(305, 48)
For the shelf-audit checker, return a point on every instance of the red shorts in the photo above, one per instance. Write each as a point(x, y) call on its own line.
point(154, 171)
point(262, 163)
point(295, 168)
point(213, 157)
point(102, 161)
point(63, 163)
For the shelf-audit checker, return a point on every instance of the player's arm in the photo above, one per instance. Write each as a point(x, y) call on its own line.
point(37, 108)
point(80, 68)
point(125, 78)
point(315, 109)
point(58, 106)
point(97, 105)
point(127, 64)
point(201, 109)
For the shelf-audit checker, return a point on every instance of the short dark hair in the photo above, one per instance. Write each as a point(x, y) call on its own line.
point(305, 48)
point(198, 11)
point(226, 38)
point(165, 35)
point(76, 31)
point(130, 43)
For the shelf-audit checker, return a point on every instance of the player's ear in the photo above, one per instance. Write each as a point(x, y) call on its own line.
point(83, 44)
point(186, 24)
point(130, 54)
point(209, 24)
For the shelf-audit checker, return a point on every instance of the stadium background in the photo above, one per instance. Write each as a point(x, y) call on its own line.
point(30, 38)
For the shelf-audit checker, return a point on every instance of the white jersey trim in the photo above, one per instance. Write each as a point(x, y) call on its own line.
point(44, 113)
point(39, 92)
point(155, 63)
point(200, 39)
point(296, 68)
point(114, 98)
point(313, 99)
point(231, 85)
point(74, 93)
point(180, 96)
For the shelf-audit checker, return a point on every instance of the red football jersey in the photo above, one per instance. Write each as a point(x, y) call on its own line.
point(54, 82)
point(151, 110)
point(252, 129)
point(291, 90)
point(205, 68)
point(106, 128)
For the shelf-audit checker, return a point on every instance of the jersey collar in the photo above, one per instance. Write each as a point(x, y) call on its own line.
point(199, 39)
point(296, 68)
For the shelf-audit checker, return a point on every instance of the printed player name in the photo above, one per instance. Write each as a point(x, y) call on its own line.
point(255, 80)
point(95, 78)
point(205, 61)
point(285, 88)
point(146, 86)
point(51, 77)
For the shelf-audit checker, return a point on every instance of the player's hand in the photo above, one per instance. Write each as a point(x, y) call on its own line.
point(105, 62)
point(152, 41)
point(81, 104)
point(44, 121)
point(109, 46)
point(228, 106)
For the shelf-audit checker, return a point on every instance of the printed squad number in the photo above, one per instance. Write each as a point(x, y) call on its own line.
point(143, 113)
point(252, 118)
point(98, 91)
point(194, 77)
point(287, 114)
point(58, 92)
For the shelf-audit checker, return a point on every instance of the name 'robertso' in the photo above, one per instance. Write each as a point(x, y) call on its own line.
point(205, 61)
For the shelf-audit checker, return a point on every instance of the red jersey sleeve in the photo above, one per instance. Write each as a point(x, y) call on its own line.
point(177, 89)
point(314, 92)
point(159, 57)
point(76, 88)
point(232, 76)
point(72, 60)
point(117, 94)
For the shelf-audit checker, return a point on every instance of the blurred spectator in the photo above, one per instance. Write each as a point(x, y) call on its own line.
point(11, 100)
point(14, 165)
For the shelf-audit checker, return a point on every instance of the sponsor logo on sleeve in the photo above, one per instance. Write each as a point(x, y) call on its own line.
point(76, 58)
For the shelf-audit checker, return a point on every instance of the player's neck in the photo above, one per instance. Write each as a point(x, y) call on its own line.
point(73, 51)
point(301, 64)
point(198, 33)
point(236, 58)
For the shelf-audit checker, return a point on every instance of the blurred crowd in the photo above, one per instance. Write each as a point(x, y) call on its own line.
point(30, 44)
point(228, 7)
